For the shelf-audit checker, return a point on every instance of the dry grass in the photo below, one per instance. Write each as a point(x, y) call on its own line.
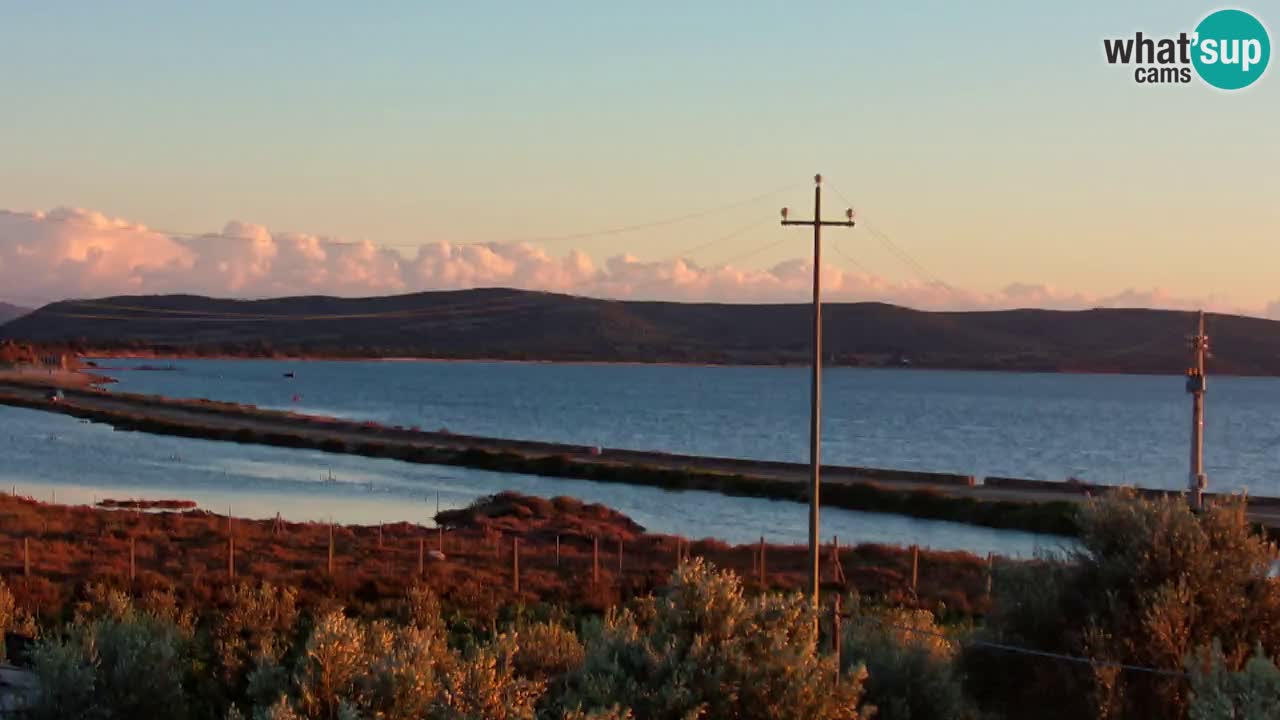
point(187, 552)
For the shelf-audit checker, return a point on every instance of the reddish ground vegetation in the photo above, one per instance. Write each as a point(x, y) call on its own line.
point(68, 547)
point(148, 504)
point(538, 518)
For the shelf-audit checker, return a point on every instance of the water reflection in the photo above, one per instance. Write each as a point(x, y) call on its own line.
point(44, 454)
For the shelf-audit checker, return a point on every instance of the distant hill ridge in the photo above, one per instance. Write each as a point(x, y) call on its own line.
point(9, 312)
point(523, 325)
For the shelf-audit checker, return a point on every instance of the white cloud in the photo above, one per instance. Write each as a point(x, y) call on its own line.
point(80, 253)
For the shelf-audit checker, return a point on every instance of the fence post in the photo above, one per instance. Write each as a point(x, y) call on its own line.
point(379, 536)
point(837, 568)
point(231, 557)
point(515, 565)
point(837, 642)
point(557, 551)
point(422, 551)
point(440, 538)
point(619, 557)
point(915, 568)
point(991, 564)
point(131, 559)
point(26, 557)
point(595, 560)
point(835, 558)
point(763, 573)
point(331, 549)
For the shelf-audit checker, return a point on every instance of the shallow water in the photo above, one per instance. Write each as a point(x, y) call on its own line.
point(1119, 429)
point(56, 457)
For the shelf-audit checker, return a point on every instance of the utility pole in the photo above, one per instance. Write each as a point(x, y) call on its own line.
point(815, 383)
point(1197, 482)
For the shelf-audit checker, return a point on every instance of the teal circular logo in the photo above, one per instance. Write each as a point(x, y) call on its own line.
point(1231, 49)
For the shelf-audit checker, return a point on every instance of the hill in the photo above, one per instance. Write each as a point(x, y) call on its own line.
point(514, 324)
point(9, 312)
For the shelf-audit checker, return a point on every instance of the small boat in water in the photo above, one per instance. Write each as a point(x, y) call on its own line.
point(289, 374)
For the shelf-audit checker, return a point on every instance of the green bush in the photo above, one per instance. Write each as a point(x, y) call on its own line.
point(485, 686)
point(130, 667)
point(706, 651)
point(1150, 584)
point(911, 673)
point(254, 626)
point(1217, 693)
point(546, 650)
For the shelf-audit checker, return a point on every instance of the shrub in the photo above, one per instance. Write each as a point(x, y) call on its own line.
point(66, 681)
point(129, 667)
point(485, 686)
point(910, 669)
point(546, 650)
point(1150, 584)
point(332, 663)
point(710, 652)
point(253, 627)
point(13, 618)
point(399, 674)
point(1220, 694)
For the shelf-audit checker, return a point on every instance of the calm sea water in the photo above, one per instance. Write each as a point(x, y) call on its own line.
point(57, 457)
point(1118, 429)
point(1106, 428)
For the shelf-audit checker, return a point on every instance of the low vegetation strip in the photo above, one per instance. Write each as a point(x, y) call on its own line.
point(576, 554)
point(1157, 612)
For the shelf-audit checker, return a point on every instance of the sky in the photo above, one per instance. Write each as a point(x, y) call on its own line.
point(993, 158)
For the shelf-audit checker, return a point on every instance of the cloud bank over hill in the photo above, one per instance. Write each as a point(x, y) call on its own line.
point(80, 253)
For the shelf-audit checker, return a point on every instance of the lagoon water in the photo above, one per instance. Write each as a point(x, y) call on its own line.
point(1118, 429)
point(57, 457)
point(1104, 428)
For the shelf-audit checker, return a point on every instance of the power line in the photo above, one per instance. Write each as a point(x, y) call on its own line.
point(897, 250)
point(616, 230)
point(697, 214)
point(754, 251)
point(1078, 659)
point(852, 260)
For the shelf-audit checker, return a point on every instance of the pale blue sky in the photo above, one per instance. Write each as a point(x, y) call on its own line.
point(990, 139)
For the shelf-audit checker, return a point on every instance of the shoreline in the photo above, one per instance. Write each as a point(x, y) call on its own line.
point(1000, 503)
point(930, 496)
point(323, 357)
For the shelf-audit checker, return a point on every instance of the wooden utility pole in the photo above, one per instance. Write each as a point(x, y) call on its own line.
point(815, 383)
point(1197, 482)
